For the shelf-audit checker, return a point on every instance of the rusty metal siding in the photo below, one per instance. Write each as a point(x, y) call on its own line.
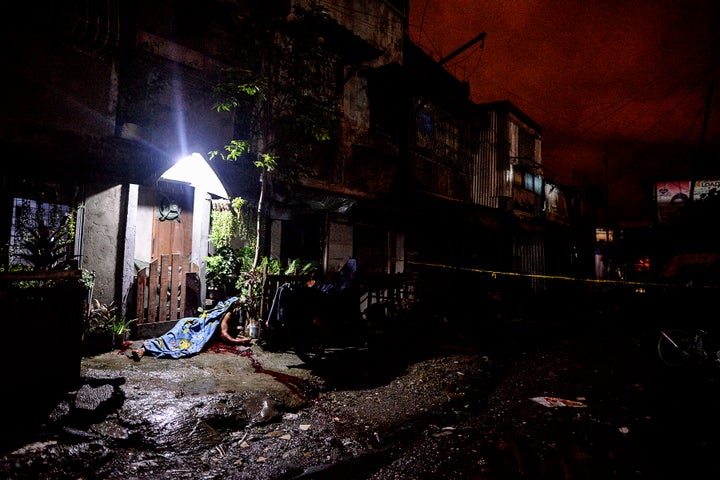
point(529, 257)
point(492, 173)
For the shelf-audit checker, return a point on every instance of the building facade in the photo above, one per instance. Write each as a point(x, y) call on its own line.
point(419, 180)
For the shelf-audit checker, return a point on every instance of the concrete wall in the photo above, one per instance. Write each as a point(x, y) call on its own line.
point(375, 21)
point(340, 245)
point(143, 231)
point(201, 236)
point(104, 238)
point(127, 273)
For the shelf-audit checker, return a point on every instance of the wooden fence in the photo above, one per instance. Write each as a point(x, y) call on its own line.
point(270, 286)
point(167, 289)
point(175, 288)
point(374, 290)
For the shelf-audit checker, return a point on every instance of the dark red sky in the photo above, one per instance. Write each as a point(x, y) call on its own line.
point(614, 84)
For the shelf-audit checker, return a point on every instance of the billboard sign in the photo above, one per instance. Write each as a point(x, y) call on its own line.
point(672, 197)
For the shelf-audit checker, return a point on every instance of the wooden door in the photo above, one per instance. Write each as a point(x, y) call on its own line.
point(172, 227)
point(163, 285)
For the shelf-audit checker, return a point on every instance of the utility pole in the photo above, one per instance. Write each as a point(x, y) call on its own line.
point(698, 160)
point(606, 187)
point(480, 37)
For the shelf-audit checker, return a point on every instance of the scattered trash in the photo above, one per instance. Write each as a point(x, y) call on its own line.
point(553, 402)
point(443, 431)
point(624, 430)
point(304, 427)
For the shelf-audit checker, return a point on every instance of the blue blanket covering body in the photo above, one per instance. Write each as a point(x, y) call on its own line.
point(189, 335)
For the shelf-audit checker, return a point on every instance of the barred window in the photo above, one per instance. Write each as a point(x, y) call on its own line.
point(40, 234)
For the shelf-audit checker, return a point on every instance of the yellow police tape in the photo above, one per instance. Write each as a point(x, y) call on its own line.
point(494, 274)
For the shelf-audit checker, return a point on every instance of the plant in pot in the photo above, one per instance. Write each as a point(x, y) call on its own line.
point(121, 329)
point(235, 270)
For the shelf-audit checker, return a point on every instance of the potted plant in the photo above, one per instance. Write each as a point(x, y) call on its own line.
point(121, 329)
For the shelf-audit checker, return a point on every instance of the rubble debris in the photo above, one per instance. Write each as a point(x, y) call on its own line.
point(552, 402)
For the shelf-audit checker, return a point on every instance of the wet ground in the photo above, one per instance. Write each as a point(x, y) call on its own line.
point(441, 404)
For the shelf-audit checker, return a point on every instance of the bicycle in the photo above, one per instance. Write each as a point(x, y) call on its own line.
point(679, 347)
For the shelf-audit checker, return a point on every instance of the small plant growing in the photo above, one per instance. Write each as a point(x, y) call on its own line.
point(121, 325)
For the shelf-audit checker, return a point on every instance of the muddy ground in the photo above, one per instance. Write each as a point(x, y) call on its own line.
point(451, 404)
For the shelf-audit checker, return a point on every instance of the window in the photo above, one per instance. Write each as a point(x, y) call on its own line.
point(528, 181)
point(443, 161)
point(40, 234)
point(538, 184)
point(302, 238)
point(603, 235)
point(425, 131)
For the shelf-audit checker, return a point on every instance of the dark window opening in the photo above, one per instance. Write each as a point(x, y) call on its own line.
point(302, 239)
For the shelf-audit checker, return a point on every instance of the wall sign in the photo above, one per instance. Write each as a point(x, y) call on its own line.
point(168, 210)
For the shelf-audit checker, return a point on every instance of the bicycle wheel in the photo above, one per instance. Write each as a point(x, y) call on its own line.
point(674, 347)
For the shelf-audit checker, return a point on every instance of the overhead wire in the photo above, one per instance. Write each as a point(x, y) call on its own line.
point(622, 173)
point(466, 56)
point(693, 90)
point(681, 82)
point(422, 19)
point(623, 102)
point(590, 122)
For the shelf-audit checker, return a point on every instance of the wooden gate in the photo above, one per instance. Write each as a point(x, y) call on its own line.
point(168, 289)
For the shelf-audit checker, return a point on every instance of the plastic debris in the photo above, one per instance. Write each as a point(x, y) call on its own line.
point(553, 402)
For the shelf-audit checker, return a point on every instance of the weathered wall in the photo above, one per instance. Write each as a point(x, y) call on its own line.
point(340, 245)
point(104, 238)
point(200, 236)
point(377, 22)
point(48, 83)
